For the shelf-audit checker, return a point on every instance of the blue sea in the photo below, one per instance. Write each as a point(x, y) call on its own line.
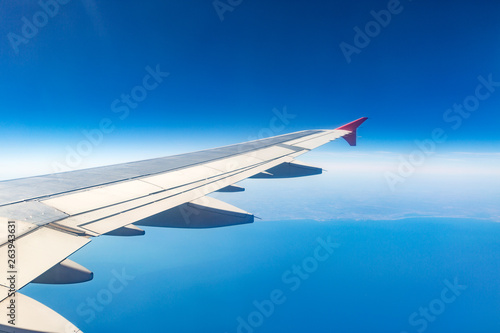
point(410, 275)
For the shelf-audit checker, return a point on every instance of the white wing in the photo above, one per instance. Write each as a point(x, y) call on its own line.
point(53, 216)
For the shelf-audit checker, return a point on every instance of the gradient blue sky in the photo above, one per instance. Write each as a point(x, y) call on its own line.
point(228, 78)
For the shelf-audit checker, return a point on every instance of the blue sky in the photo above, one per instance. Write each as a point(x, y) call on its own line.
point(428, 78)
point(226, 76)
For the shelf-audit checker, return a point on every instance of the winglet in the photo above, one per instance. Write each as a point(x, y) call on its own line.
point(352, 126)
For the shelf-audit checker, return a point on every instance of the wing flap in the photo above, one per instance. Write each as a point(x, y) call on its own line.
point(79, 202)
point(182, 177)
point(37, 252)
point(110, 218)
point(24, 314)
point(272, 153)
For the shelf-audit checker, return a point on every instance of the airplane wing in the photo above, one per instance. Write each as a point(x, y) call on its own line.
point(45, 219)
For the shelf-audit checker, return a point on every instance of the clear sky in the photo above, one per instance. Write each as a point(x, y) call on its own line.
point(227, 76)
point(87, 83)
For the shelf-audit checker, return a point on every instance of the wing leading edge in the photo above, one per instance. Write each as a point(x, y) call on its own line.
point(55, 215)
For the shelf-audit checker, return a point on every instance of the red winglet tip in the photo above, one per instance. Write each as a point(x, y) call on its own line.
point(352, 125)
